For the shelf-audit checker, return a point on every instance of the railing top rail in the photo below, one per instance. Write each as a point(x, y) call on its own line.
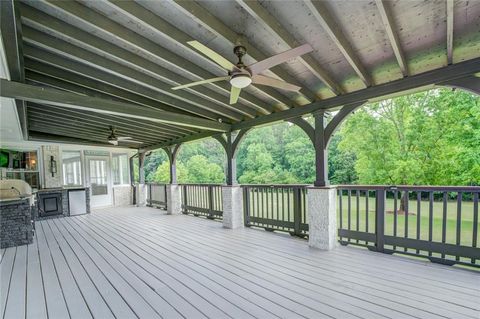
point(156, 184)
point(425, 188)
point(200, 184)
point(275, 185)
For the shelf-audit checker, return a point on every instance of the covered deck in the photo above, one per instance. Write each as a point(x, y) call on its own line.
point(140, 262)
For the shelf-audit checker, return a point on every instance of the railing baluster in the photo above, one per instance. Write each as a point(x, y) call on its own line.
point(380, 219)
point(430, 219)
point(419, 199)
point(459, 221)
point(406, 216)
point(475, 222)
point(340, 206)
point(357, 220)
point(366, 212)
point(444, 220)
point(349, 211)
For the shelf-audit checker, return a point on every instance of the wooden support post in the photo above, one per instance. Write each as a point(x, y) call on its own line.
point(231, 171)
point(380, 219)
point(172, 152)
point(141, 171)
point(321, 157)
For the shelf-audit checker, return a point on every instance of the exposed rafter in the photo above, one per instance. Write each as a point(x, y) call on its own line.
point(392, 36)
point(262, 15)
point(11, 31)
point(88, 58)
point(450, 13)
point(46, 137)
point(213, 24)
point(146, 17)
point(71, 100)
point(57, 62)
point(130, 38)
point(320, 12)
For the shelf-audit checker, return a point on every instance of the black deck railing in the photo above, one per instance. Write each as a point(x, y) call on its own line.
point(440, 223)
point(157, 195)
point(202, 200)
point(276, 207)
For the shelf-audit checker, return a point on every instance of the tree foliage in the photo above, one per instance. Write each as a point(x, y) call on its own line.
point(430, 138)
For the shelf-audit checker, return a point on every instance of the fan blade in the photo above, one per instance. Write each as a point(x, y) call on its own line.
point(220, 78)
point(234, 94)
point(265, 80)
point(263, 65)
point(123, 138)
point(131, 141)
point(113, 142)
point(214, 56)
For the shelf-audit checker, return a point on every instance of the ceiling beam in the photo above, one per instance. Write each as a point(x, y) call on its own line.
point(103, 118)
point(450, 14)
point(88, 58)
point(145, 17)
point(45, 137)
point(320, 12)
point(448, 73)
point(136, 42)
point(45, 117)
point(176, 141)
point(68, 66)
point(11, 31)
point(256, 10)
point(71, 100)
point(216, 26)
point(392, 36)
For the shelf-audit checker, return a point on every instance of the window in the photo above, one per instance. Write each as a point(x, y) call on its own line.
point(120, 169)
point(72, 168)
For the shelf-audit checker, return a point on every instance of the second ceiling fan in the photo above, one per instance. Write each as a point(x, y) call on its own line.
point(241, 75)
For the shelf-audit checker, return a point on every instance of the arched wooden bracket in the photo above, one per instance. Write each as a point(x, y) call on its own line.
point(469, 83)
point(230, 142)
point(172, 152)
point(320, 135)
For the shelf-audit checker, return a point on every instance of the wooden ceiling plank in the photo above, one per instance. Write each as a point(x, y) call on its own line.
point(71, 100)
point(392, 36)
point(45, 137)
point(213, 24)
point(88, 58)
point(131, 38)
point(321, 13)
point(69, 66)
point(255, 9)
point(148, 18)
point(37, 113)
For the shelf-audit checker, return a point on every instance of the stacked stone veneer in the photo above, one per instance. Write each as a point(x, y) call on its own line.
point(50, 181)
point(16, 227)
point(122, 195)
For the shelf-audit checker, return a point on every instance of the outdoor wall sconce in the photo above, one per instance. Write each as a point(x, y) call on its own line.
point(53, 166)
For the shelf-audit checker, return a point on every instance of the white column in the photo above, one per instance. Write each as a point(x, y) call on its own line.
point(322, 217)
point(174, 199)
point(141, 195)
point(232, 197)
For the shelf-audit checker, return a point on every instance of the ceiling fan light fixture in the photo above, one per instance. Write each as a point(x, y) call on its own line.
point(240, 81)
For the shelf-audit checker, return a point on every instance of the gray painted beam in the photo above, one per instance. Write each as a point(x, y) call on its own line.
point(255, 9)
point(11, 31)
point(57, 62)
point(180, 140)
point(468, 83)
point(45, 137)
point(103, 118)
point(216, 26)
point(70, 51)
point(450, 14)
point(444, 74)
point(392, 36)
point(75, 101)
point(145, 17)
point(321, 13)
point(136, 42)
point(338, 119)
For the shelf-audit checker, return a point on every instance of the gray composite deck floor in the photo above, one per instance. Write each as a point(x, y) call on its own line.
point(138, 262)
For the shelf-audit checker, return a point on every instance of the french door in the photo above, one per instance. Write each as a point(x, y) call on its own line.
point(99, 180)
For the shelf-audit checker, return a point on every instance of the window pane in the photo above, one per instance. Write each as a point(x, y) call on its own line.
point(120, 169)
point(72, 168)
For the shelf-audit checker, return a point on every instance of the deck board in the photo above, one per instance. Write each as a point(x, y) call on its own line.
point(141, 263)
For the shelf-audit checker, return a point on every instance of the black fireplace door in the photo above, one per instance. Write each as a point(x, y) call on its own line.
point(50, 204)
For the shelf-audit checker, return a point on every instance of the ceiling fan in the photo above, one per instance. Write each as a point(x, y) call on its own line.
point(241, 75)
point(114, 139)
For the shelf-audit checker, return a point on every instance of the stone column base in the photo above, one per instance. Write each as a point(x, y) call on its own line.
point(232, 197)
point(174, 199)
point(141, 195)
point(322, 217)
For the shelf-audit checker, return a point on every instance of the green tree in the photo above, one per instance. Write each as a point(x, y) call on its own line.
point(162, 173)
point(200, 170)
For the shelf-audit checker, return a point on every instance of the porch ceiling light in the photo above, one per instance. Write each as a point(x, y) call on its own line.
point(240, 81)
